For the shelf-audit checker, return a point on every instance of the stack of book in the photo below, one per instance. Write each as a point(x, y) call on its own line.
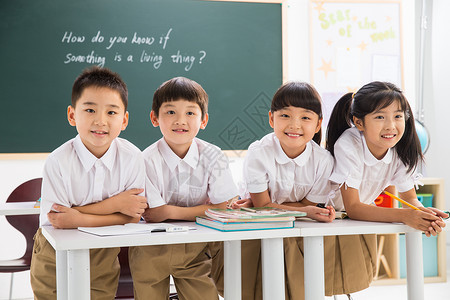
point(249, 218)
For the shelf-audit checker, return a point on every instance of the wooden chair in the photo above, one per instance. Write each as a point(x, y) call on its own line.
point(381, 259)
point(26, 224)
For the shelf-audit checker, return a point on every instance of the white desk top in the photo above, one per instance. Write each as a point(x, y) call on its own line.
point(72, 239)
point(18, 208)
point(348, 227)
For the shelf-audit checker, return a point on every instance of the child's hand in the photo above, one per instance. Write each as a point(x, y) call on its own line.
point(320, 214)
point(424, 220)
point(64, 217)
point(130, 203)
point(157, 214)
point(436, 226)
point(242, 203)
point(436, 211)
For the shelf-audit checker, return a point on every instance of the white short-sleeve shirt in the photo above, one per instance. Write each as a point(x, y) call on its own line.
point(73, 176)
point(202, 176)
point(267, 167)
point(359, 169)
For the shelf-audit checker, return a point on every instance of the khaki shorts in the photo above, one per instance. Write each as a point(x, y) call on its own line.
point(189, 265)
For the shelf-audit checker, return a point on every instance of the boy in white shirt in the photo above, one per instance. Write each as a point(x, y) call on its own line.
point(95, 179)
point(185, 176)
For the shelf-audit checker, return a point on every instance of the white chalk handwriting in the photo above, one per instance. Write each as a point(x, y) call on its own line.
point(143, 48)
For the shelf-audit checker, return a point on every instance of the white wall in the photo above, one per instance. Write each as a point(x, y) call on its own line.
point(436, 90)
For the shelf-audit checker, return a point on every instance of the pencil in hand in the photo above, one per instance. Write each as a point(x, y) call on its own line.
point(401, 200)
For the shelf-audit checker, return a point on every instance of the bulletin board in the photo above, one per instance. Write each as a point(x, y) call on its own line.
point(353, 43)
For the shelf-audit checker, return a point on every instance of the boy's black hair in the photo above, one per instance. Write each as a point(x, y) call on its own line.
point(298, 94)
point(370, 98)
point(99, 77)
point(180, 88)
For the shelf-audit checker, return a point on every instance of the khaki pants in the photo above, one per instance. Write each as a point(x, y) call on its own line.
point(189, 265)
point(104, 273)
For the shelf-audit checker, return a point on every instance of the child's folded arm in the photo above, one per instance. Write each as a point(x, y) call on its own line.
point(171, 212)
point(313, 212)
point(417, 219)
point(129, 203)
point(67, 217)
point(302, 203)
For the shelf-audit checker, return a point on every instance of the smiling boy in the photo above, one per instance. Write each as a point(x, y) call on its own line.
point(185, 176)
point(94, 179)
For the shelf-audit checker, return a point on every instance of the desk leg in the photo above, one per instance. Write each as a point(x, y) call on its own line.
point(272, 256)
point(61, 275)
point(414, 266)
point(314, 267)
point(78, 275)
point(232, 270)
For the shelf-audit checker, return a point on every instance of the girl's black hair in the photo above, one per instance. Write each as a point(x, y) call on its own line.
point(372, 97)
point(298, 94)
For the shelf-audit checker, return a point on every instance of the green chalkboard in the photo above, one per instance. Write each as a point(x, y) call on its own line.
point(233, 49)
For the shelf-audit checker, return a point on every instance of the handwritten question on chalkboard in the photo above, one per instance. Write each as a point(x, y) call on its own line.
point(151, 49)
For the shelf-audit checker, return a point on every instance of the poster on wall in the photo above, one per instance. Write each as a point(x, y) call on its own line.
point(353, 43)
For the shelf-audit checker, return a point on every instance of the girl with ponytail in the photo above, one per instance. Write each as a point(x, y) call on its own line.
point(372, 136)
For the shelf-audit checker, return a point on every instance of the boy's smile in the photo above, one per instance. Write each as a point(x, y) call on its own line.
point(179, 122)
point(294, 127)
point(99, 117)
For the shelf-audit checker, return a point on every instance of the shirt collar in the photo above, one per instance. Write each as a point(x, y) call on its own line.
point(88, 159)
point(282, 158)
point(172, 160)
point(371, 160)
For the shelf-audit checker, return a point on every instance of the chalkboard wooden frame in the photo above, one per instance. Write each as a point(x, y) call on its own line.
point(11, 155)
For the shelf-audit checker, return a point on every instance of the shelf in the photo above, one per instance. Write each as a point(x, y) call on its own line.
point(433, 186)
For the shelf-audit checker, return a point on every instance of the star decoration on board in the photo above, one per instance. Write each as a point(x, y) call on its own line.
point(354, 18)
point(319, 7)
point(363, 46)
point(388, 19)
point(329, 42)
point(326, 67)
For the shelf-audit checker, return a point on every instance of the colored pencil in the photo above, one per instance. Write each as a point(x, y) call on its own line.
point(401, 200)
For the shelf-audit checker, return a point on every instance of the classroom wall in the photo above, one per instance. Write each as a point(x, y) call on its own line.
point(436, 94)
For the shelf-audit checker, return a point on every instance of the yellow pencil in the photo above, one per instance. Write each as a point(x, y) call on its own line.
point(402, 201)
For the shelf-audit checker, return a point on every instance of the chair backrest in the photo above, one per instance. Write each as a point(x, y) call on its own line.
point(26, 224)
point(125, 287)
